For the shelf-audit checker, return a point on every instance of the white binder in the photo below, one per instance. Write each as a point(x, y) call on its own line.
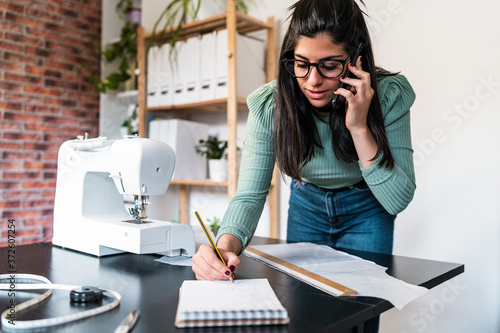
point(187, 71)
point(153, 77)
point(190, 63)
point(166, 89)
point(207, 67)
point(221, 59)
point(154, 129)
point(250, 60)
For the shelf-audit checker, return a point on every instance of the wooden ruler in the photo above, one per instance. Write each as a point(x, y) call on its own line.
point(302, 274)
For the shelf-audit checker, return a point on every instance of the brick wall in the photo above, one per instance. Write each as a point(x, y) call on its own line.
point(44, 101)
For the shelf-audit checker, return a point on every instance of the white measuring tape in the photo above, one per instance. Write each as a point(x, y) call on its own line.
point(9, 324)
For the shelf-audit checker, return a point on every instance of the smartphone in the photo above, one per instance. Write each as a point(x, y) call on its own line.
point(348, 72)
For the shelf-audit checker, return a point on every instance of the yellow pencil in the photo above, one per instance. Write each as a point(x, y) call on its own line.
point(212, 243)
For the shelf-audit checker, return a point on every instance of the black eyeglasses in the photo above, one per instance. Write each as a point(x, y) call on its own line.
point(327, 68)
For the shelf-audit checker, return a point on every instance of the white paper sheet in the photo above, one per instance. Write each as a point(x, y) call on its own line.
point(366, 277)
point(176, 261)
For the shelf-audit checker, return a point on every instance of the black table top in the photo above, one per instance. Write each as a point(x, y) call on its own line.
point(153, 288)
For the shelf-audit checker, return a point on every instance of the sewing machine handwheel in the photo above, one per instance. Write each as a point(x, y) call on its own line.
point(85, 294)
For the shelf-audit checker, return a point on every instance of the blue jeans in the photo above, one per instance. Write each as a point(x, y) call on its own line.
point(350, 218)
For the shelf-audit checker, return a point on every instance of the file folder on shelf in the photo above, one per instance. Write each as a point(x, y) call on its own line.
point(187, 71)
point(166, 78)
point(250, 60)
point(207, 67)
point(153, 77)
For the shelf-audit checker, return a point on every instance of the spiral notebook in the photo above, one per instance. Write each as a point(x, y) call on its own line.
point(223, 303)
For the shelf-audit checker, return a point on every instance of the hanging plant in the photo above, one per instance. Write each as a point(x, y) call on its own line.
point(122, 53)
point(125, 52)
point(178, 12)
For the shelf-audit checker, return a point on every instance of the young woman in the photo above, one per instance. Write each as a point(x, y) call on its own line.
point(351, 163)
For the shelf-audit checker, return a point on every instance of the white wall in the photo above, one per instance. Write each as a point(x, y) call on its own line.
point(450, 51)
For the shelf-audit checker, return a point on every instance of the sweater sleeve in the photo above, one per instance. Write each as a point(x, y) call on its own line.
point(394, 188)
point(256, 168)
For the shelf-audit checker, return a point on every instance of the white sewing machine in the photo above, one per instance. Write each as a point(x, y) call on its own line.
point(89, 211)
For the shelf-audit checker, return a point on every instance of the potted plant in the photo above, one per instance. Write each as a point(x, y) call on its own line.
point(130, 125)
point(214, 150)
point(214, 224)
point(126, 9)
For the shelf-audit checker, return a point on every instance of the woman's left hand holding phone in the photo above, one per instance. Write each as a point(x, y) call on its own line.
point(358, 97)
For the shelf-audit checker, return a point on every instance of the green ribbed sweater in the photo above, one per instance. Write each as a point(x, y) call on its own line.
point(393, 188)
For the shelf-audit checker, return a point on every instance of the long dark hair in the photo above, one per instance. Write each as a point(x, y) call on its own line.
point(295, 133)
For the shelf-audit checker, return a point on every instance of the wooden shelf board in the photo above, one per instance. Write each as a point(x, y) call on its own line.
point(244, 24)
point(208, 106)
point(206, 182)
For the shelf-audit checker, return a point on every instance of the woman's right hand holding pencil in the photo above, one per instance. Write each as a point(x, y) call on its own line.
point(207, 265)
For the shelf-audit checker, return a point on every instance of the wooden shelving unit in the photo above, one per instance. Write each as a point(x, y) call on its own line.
point(235, 22)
